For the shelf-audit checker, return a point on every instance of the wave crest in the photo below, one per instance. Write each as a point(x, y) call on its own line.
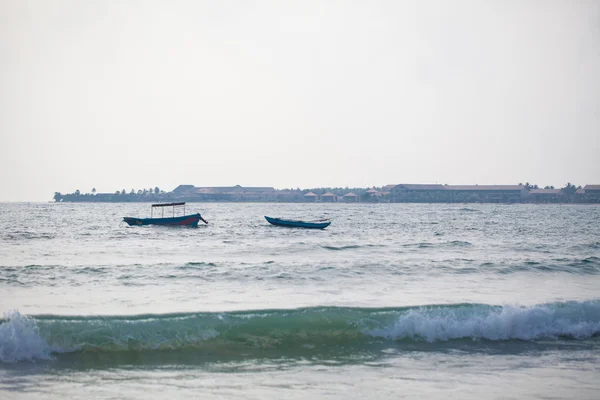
point(305, 330)
point(20, 339)
point(572, 320)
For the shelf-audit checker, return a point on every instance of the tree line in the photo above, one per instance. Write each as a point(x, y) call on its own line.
point(133, 192)
point(569, 188)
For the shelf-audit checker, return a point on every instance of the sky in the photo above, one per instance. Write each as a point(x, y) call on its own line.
point(136, 94)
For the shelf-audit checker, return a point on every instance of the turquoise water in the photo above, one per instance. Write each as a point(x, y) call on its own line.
point(390, 301)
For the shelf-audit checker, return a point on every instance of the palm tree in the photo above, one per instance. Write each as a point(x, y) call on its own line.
point(93, 190)
point(156, 190)
point(77, 192)
point(569, 189)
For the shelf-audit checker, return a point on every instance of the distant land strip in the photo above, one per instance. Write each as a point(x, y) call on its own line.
point(396, 193)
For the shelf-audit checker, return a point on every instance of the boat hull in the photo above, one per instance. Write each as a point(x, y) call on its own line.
point(185, 220)
point(297, 224)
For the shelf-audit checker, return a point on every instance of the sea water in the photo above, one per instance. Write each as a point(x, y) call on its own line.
point(390, 301)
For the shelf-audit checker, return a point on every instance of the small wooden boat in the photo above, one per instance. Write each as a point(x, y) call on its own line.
point(182, 220)
point(291, 223)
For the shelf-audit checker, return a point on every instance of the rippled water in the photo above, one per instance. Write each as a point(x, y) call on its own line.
point(391, 300)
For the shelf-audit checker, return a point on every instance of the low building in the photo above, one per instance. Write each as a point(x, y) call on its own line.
point(258, 193)
point(546, 196)
point(287, 196)
point(351, 198)
point(418, 193)
point(488, 193)
point(591, 193)
point(373, 195)
point(183, 189)
point(310, 197)
point(386, 196)
point(328, 197)
point(436, 193)
point(228, 193)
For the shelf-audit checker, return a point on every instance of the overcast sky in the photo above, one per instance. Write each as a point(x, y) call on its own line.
point(137, 94)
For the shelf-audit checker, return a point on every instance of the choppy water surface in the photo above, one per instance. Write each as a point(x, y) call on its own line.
point(390, 301)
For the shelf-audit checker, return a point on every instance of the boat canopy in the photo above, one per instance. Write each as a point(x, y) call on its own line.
point(168, 204)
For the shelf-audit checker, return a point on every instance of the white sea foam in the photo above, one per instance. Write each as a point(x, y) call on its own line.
point(575, 320)
point(20, 339)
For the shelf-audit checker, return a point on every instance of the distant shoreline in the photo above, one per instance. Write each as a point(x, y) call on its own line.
point(306, 203)
point(401, 193)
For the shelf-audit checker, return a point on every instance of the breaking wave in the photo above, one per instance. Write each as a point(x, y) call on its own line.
point(304, 330)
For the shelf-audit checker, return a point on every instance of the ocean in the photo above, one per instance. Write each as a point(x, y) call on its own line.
point(390, 301)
